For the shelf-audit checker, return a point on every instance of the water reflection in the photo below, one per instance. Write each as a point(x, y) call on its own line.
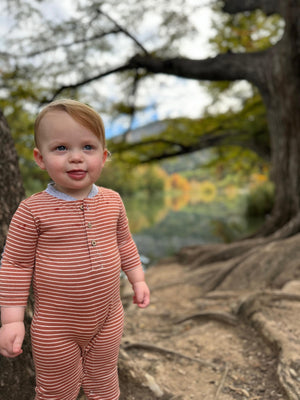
point(161, 225)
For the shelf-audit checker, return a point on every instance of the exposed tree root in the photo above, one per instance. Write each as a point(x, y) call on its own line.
point(150, 347)
point(196, 256)
point(267, 264)
point(281, 332)
point(137, 383)
point(223, 294)
point(216, 316)
point(256, 301)
point(275, 228)
point(289, 229)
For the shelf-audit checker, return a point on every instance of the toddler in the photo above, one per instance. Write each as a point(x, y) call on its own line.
point(71, 240)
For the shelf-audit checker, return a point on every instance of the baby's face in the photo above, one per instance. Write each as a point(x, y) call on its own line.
point(72, 154)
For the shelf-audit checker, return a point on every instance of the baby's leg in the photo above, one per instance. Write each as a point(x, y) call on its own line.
point(100, 373)
point(58, 365)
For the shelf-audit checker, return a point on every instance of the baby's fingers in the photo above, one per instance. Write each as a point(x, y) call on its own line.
point(145, 303)
point(17, 346)
point(10, 354)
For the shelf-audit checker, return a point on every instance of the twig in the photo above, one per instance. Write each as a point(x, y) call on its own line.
point(151, 347)
point(125, 31)
point(222, 381)
point(121, 68)
point(241, 391)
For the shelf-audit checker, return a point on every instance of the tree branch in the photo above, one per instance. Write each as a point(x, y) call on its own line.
point(67, 45)
point(212, 139)
point(267, 6)
point(151, 142)
point(229, 66)
point(83, 82)
point(132, 101)
point(125, 31)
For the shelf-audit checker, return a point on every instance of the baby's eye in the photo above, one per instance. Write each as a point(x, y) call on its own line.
point(61, 148)
point(88, 147)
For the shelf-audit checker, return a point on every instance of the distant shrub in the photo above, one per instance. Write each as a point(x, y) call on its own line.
point(260, 200)
point(128, 180)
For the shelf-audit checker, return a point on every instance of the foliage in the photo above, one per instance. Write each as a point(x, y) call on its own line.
point(240, 135)
point(81, 52)
point(241, 32)
point(260, 200)
point(80, 43)
point(76, 43)
point(144, 211)
point(129, 180)
point(20, 114)
point(178, 182)
point(245, 32)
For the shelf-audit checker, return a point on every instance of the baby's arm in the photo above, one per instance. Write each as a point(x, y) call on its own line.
point(12, 331)
point(130, 260)
point(141, 291)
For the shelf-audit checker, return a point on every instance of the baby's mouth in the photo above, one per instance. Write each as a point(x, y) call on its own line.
point(77, 174)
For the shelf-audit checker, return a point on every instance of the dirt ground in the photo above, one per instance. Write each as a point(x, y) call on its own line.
point(213, 346)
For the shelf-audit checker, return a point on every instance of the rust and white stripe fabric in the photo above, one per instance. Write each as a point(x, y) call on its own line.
point(73, 250)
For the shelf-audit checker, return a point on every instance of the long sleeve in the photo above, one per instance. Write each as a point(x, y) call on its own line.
point(18, 259)
point(130, 258)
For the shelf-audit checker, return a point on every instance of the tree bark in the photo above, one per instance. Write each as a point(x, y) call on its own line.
point(281, 93)
point(17, 375)
point(11, 187)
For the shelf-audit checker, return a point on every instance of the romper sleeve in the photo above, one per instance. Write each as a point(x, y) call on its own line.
point(130, 258)
point(18, 259)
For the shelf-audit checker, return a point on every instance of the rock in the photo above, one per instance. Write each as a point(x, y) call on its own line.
point(292, 287)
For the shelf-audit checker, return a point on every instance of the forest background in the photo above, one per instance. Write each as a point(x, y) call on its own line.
point(230, 168)
point(122, 58)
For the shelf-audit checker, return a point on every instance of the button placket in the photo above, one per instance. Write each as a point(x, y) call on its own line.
point(95, 254)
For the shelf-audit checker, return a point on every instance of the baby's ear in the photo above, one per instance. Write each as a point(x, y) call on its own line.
point(38, 158)
point(105, 156)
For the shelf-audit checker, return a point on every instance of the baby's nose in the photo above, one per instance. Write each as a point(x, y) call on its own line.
point(76, 156)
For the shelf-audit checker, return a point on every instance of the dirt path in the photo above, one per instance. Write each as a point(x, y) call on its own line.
point(219, 346)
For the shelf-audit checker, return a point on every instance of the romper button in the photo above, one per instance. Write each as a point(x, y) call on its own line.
point(89, 225)
point(94, 243)
point(81, 207)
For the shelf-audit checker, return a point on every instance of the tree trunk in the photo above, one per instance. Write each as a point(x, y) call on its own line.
point(280, 90)
point(16, 376)
point(11, 188)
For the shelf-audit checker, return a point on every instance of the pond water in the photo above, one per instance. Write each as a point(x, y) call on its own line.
point(161, 226)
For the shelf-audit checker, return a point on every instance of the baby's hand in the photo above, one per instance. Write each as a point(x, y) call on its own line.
point(11, 339)
point(141, 294)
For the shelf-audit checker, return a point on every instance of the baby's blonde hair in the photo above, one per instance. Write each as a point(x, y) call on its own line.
point(80, 112)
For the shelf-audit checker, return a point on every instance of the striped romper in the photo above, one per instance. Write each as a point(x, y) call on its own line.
point(73, 251)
